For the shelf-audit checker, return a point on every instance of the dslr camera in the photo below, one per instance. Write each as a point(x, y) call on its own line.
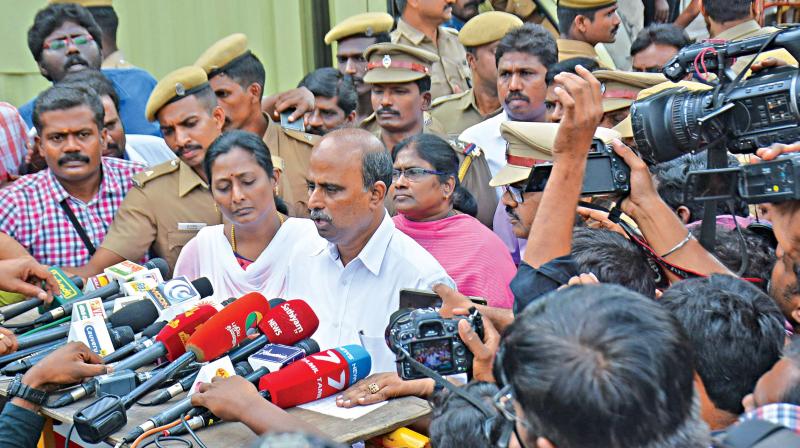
point(736, 114)
point(606, 173)
point(431, 340)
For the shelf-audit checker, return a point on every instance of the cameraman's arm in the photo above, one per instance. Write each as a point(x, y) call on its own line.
point(659, 225)
point(10, 248)
point(551, 232)
point(453, 302)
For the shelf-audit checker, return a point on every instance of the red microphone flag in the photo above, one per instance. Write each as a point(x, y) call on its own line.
point(177, 332)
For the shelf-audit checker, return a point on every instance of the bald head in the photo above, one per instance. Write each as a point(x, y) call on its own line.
point(349, 143)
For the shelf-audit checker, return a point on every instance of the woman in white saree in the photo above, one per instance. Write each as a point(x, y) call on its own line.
point(251, 249)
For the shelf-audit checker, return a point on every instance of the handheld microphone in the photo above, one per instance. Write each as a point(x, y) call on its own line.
point(15, 310)
point(119, 337)
point(169, 342)
point(98, 420)
point(19, 354)
point(317, 376)
point(104, 293)
point(147, 339)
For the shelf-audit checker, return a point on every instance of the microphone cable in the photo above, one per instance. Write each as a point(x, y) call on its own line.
point(153, 431)
point(185, 422)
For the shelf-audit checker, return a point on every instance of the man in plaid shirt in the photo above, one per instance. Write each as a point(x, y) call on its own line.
point(12, 143)
point(35, 212)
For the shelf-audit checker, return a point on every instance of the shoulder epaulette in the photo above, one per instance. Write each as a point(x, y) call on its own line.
point(308, 139)
point(451, 97)
point(140, 179)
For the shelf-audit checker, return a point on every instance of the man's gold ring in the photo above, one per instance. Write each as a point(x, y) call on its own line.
point(374, 388)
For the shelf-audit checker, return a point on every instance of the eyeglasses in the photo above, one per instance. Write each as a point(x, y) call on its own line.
point(414, 174)
point(62, 43)
point(515, 192)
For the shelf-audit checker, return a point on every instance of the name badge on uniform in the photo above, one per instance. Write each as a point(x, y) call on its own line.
point(191, 225)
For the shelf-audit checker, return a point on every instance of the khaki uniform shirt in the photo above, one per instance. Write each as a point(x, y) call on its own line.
point(294, 147)
point(166, 207)
point(449, 75)
point(116, 60)
point(751, 28)
point(474, 175)
point(458, 112)
point(570, 49)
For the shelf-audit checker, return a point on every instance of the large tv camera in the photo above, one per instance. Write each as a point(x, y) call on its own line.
point(736, 114)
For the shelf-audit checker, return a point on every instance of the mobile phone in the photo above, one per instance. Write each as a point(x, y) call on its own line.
point(420, 298)
point(296, 125)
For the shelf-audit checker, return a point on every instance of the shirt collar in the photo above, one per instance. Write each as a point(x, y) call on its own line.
point(188, 180)
point(576, 46)
point(414, 35)
point(739, 31)
point(374, 252)
point(109, 183)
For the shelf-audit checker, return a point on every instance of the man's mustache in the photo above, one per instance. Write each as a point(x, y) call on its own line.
point(387, 110)
point(183, 150)
point(73, 157)
point(319, 215)
point(511, 213)
point(316, 130)
point(74, 59)
point(517, 96)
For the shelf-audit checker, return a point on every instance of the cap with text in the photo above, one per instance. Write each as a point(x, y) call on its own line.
point(222, 54)
point(397, 63)
point(367, 24)
point(487, 28)
point(174, 86)
point(621, 88)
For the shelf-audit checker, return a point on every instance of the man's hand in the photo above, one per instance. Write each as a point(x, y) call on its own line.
point(227, 398)
point(582, 279)
point(69, 364)
point(582, 101)
point(483, 351)
point(772, 152)
point(769, 62)
point(643, 190)
point(300, 99)
point(662, 11)
point(390, 385)
point(598, 219)
point(8, 341)
point(22, 275)
point(453, 302)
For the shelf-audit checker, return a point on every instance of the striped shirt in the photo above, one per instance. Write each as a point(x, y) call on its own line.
point(13, 139)
point(32, 214)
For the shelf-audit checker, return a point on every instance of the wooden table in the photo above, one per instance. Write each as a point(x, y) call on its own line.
point(395, 414)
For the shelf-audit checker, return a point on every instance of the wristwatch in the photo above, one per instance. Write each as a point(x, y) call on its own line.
point(27, 393)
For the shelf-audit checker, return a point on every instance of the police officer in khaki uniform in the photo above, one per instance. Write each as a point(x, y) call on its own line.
point(352, 36)
point(170, 202)
point(592, 22)
point(420, 26)
point(480, 36)
point(230, 66)
point(400, 78)
point(620, 90)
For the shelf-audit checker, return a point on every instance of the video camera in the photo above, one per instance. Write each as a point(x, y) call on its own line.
point(606, 173)
point(431, 340)
point(736, 114)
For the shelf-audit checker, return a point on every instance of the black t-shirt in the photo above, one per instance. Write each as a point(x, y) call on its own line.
point(530, 283)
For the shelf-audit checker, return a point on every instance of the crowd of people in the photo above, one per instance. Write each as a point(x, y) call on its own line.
point(408, 166)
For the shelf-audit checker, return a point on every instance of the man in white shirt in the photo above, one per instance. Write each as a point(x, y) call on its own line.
point(352, 273)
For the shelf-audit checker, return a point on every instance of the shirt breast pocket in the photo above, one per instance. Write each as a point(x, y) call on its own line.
point(176, 239)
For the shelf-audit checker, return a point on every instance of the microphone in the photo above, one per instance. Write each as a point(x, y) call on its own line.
point(168, 342)
point(104, 292)
point(119, 337)
point(137, 315)
point(19, 354)
point(316, 376)
point(15, 310)
point(147, 339)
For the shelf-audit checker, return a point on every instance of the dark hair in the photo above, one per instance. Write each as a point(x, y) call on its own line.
point(530, 39)
point(728, 250)
point(602, 366)
point(457, 423)
point(612, 258)
point(401, 6)
point(61, 97)
point(568, 66)
point(245, 70)
point(52, 17)
point(93, 79)
point(791, 352)
point(329, 82)
point(567, 16)
point(440, 155)
point(424, 84)
point(107, 19)
point(722, 11)
point(671, 179)
point(293, 440)
point(247, 141)
point(206, 97)
point(736, 331)
point(662, 34)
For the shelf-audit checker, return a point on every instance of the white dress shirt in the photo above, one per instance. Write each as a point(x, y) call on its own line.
point(486, 135)
point(148, 149)
point(361, 296)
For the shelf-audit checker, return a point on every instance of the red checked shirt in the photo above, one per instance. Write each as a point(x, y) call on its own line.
point(12, 141)
point(31, 213)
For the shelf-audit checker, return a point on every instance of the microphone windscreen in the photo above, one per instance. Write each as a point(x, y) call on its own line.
point(137, 315)
point(308, 345)
point(203, 287)
point(275, 302)
point(289, 322)
point(160, 264)
point(153, 329)
point(178, 331)
point(226, 329)
point(121, 336)
point(317, 376)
